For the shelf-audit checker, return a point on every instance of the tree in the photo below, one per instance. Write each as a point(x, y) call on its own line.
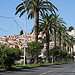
point(70, 28)
point(54, 52)
point(21, 32)
point(46, 27)
point(33, 8)
point(8, 56)
point(56, 21)
point(69, 42)
point(62, 55)
point(60, 29)
point(34, 48)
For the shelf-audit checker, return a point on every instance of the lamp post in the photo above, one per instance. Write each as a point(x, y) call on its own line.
point(25, 41)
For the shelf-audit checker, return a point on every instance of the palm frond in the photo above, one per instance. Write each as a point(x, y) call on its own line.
point(22, 13)
point(20, 9)
point(25, 2)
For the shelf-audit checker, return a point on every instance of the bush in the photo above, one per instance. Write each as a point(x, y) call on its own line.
point(41, 62)
point(8, 56)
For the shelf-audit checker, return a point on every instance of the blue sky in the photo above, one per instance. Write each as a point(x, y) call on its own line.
point(8, 8)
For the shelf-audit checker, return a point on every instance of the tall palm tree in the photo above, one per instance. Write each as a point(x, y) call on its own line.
point(69, 42)
point(64, 31)
point(60, 28)
point(33, 8)
point(56, 21)
point(46, 27)
point(64, 40)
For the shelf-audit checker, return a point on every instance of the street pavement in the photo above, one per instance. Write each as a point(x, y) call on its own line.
point(64, 69)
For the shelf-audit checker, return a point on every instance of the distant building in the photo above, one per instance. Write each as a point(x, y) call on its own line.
point(72, 33)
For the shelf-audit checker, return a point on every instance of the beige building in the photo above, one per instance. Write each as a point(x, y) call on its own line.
point(72, 33)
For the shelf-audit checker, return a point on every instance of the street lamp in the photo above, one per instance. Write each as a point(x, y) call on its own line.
point(25, 41)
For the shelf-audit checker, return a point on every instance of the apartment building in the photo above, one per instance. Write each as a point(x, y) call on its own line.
point(72, 33)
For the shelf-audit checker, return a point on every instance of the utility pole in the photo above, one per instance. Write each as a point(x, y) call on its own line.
point(25, 41)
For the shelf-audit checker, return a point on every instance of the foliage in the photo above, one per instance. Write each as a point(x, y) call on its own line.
point(68, 56)
point(8, 56)
point(73, 53)
point(59, 54)
point(2, 46)
point(33, 48)
point(41, 62)
point(62, 54)
point(33, 9)
point(70, 28)
point(53, 52)
point(21, 32)
point(32, 6)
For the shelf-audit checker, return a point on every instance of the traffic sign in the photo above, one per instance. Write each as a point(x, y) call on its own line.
point(25, 44)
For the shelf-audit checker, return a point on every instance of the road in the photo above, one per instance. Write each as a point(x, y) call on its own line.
point(64, 69)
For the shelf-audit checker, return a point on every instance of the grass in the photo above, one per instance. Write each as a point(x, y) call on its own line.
point(34, 65)
point(30, 65)
point(38, 65)
point(1, 68)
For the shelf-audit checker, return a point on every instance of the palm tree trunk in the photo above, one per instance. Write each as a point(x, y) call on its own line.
point(36, 25)
point(54, 38)
point(36, 58)
point(36, 32)
point(68, 49)
point(62, 45)
point(65, 46)
point(70, 52)
point(47, 46)
point(60, 40)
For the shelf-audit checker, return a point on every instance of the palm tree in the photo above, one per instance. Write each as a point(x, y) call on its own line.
point(60, 29)
point(56, 21)
point(72, 42)
point(46, 27)
point(69, 41)
point(33, 8)
point(64, 40)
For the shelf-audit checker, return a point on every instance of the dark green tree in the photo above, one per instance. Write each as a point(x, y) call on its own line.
point(46, 28)
point(21, 32)
point(8, 56)
point(70, 28)
point(34, 49)
point(56, 21)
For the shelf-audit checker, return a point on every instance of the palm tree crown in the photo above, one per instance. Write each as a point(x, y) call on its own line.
point(33, 6)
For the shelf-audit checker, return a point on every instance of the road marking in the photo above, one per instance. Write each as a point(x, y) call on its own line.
point(49, 71)
point(45, 72)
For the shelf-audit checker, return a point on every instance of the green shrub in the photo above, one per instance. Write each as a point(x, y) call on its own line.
point(8, 56)
point(41, 62)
